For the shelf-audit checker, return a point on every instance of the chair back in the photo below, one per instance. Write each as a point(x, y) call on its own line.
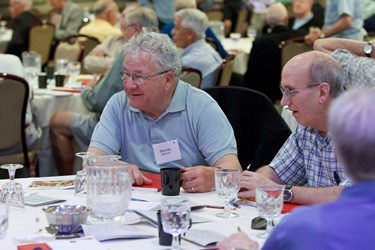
point(41, 40)
point(14, 94)
point(290, 49)
point(192, 76)
point(259, 129)
point(213, 43)
point(215, 15)
point(71, 52)
point(226, 70)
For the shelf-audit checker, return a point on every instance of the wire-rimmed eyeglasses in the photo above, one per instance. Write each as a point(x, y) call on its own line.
point(290, 92)
point(138, 79)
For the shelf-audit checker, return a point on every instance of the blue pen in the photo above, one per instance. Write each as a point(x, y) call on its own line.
point(135, 199)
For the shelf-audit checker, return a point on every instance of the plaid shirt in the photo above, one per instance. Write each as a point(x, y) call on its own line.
point(308, 159)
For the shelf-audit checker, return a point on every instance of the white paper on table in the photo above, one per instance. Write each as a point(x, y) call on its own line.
point(210, 237)
point(103, 232)
point(87, 243)
point(143, 205)
point(51, 92)
point(40, 200)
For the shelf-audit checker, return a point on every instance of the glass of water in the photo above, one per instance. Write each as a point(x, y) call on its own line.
point(74, 68)
point(227, 185)
point(32, 66)
point(175, 217)
point(270, 200)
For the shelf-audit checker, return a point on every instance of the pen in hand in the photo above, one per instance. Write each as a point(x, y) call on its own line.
point(248, 167)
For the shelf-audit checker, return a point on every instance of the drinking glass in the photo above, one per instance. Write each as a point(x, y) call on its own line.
point(227, 185)
point(270, 200)
point(74, 68)
point(61, 66)
point(32, 66)
point(251, 32)
point(80, 181)
point(12, 192)
point(175, 217)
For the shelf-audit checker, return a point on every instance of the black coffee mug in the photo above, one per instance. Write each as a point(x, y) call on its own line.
point(170, 181)
point(59, 80)
point(42, 80)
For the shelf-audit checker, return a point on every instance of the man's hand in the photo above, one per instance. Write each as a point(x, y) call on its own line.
point(249, 181)
point(198, 179)
point(237, 241)
point(136, 175)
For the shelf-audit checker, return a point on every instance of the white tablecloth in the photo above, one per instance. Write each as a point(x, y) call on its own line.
point(43, 107)
point(241, 48)
point(32, 219)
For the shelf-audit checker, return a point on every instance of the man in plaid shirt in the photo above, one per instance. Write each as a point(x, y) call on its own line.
point(306, 163)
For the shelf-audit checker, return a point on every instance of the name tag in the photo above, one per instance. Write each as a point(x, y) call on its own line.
point(166, 151)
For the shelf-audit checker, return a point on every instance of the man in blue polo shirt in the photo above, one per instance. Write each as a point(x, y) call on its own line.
point(159, 113)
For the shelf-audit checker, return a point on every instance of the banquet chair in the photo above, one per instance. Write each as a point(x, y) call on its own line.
point(259, 129)
point(14, 94)
point(71, 52)
point(41, 38)
point(213, 43)
point(292, 48)
point(215, 15)
point(225, 71)
point(192, 76)
point(88, 43)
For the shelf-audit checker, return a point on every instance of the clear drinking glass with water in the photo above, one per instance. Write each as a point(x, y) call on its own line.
point(175, 217)
point(32, 66)
point(270, 200)
point(74, 69)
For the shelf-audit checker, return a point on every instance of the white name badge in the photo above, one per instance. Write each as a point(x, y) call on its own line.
point(166, 151)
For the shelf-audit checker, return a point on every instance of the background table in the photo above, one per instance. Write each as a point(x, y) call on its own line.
point(241, 48)
point(30, 220)
point(43, 107)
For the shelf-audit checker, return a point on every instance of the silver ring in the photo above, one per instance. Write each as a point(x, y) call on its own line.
point(192, 189)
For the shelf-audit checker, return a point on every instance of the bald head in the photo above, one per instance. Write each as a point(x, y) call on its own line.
point(277, 15)
point(317, 67)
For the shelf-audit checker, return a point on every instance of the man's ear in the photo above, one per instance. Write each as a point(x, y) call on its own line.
point(324, 91)
point(169, 81)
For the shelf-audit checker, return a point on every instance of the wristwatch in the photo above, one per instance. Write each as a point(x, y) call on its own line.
point(288, 193)
point(367, 49)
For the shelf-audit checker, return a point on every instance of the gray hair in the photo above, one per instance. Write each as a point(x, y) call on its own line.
point(351, 125)
point(324, 68)
point(183, 4)
point(276, 15)
point(102, 5)
point(142, 16)
point(163, 52)
point(195, 20)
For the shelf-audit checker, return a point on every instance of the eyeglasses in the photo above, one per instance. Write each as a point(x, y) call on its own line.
point(138, 79)
point(289, 92)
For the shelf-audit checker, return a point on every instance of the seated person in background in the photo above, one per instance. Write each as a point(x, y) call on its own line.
point(158, 111)
point(188, 34)
point(343, 19)
point(70, 19)
point(306, 163)
point(304, 18)
point(230, 11)
point(105, 18)
point(12, 65)
point(355, 57)
point(100, 59)
point(22, 20)
point(345, 223)
point(164, 10)
point(66, 126)
point(368, 15)
point(183, 4)
point(264, 63)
